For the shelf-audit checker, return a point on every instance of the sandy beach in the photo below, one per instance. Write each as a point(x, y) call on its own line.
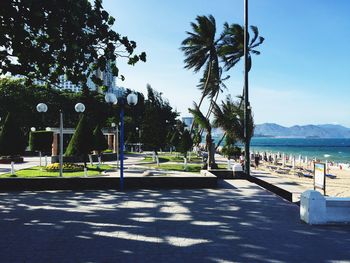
point(337, 187)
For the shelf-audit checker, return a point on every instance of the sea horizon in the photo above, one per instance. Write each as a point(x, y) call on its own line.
point(330, 149)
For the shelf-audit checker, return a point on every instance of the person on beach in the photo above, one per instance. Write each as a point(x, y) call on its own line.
point(241, 159)
point(256, 159)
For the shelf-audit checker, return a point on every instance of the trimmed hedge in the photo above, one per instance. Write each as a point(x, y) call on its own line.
point(81, 143)
point(40, 141)
point(99, 143)
point(12, 140)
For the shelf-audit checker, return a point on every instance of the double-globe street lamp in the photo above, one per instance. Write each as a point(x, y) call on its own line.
point(131, 99)
point(80, 108)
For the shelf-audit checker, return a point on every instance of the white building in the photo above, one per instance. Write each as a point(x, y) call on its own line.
point(108, 80)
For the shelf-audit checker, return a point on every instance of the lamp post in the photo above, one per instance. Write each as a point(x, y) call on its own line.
point(246, 95)
point(139, 131)
point(131, 99)
point(113, 125)
point(42, 107)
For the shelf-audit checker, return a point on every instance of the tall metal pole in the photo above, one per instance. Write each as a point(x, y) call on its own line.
point(118, 146)
point(122, 147)
point(61, 144)
point(246, 94)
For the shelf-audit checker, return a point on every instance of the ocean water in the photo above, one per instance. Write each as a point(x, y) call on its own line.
point(337, 150)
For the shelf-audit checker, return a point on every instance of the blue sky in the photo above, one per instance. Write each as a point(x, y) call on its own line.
point(301, 77)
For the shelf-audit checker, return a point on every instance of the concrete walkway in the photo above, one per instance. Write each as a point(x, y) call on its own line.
point(239, 222)
point(28, 162)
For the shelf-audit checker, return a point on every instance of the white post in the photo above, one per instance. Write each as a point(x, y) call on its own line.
point(39, 159)
point(157, 159)
point(12, 168)
point(45, 160)
point(99, 161)
point(85, 172)
point(90, 159)
point(185, 163)
point(228, 164)
point(61, 144)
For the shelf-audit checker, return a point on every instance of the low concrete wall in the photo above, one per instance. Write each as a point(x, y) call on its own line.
point(284, 193)
point(225, 174)
point(315, 209)
point(95, 183)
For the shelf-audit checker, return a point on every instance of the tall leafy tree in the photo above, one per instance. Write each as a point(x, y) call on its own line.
point(158, 120)
point(229, 117)
point(46, 39)
point(12, 140)
point(231, 47)
point(201, 51)
point(205, 124)
point(186, 143)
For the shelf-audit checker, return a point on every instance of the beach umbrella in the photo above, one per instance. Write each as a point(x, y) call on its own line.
point(283, 159)
point(290, 158)
point(293, 162)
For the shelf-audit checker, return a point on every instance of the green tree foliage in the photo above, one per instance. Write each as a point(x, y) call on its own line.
point(46, 39)
point(203, 50)
point(230, 118)
point(186, 143)
point(41, 141)
point(230, 150)
point(175, 139)
point(158, 119)
point(17, 97)
point(81, 143)
point(231, 48)
point(99, 141)
point(205, 124)
point(12, 140)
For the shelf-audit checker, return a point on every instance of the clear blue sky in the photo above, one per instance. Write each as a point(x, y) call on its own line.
point(301, 77)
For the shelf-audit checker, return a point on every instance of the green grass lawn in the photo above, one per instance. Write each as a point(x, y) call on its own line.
point(193, 168)
point(173, 158)
point(37, 171)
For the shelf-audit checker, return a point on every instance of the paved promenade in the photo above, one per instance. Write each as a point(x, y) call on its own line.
point(239, 222)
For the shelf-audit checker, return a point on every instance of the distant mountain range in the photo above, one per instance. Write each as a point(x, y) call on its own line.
point(304, 131)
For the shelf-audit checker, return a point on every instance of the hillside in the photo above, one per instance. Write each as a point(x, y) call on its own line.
point(316, 131)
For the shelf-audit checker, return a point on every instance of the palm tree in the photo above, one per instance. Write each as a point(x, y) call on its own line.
point(230, 118)
point(200, 49)
point(205, 124)
point(231, 46)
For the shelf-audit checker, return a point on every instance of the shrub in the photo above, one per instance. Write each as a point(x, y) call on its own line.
point(185, 143)
point(99, 141)
point(40, 141)
point(81, 141)
point(67, 167)
point(231, 152)
point(12, 140)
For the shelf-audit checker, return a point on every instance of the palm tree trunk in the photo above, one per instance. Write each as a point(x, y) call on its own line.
point(222, 138)
point(204, 89)
point(210, 110)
